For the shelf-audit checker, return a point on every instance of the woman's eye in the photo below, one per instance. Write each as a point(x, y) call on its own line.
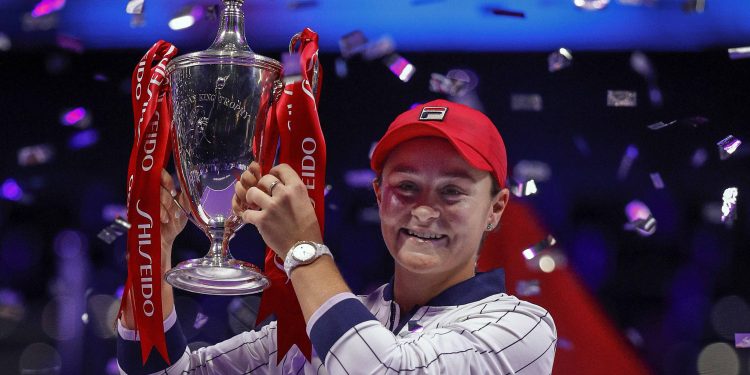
point(406, 186)
point(452, 191)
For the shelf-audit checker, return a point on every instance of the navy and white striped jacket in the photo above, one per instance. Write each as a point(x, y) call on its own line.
point(470, 328)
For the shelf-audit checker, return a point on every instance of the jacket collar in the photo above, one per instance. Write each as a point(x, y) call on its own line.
point(482, 285)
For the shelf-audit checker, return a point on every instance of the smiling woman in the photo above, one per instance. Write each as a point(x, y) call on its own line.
point(434, 212)
point(439, 163)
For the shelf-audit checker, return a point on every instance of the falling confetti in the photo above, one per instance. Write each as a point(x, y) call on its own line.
point(621, 98)
point(532, 251)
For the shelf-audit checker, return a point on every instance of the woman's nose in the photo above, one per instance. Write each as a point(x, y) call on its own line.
point(425, 213)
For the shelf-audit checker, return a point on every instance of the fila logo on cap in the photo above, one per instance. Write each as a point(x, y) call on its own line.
point(433, 113)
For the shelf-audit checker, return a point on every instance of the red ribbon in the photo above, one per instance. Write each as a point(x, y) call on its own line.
point(294, 122)
point(152, 122)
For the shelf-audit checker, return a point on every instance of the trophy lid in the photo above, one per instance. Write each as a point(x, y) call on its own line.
point(229, 46)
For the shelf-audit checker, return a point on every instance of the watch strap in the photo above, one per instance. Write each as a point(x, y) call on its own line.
point(290, 262)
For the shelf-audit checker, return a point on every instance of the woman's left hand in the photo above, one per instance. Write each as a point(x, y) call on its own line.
point(279, 207)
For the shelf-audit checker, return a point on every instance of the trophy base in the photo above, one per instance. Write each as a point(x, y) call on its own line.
point(227, 277)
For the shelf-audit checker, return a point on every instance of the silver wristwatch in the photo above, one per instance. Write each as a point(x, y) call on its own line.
point(304, 252)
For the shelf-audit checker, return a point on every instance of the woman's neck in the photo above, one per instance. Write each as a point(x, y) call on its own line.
point(412, 289)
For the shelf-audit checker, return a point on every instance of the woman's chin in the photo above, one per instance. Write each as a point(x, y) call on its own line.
point(418, 262)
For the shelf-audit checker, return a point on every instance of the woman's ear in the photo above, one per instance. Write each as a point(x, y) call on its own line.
point(376, 188)
point(499, 202)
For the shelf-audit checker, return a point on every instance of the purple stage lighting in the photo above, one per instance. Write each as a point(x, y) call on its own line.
point(73, 117)
point(11, 190)
point(83, 139)
point(45, 7)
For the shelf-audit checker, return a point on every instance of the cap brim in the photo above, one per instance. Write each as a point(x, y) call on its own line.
point(420, 130)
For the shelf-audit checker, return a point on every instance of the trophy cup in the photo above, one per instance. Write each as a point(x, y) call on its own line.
point(219, 96)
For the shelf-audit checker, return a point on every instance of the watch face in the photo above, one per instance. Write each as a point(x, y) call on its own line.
point(304, 252)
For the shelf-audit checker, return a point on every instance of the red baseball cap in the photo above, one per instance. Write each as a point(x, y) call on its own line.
point(470, 132)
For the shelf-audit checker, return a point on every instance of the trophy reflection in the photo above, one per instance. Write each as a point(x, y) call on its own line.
point(219, 96)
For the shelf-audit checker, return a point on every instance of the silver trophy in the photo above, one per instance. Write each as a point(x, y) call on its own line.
point(219, 97)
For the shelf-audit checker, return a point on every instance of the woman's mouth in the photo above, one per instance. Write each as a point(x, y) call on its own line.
point(423, 235)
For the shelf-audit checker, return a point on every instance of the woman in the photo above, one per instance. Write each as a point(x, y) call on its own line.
point(441, 170)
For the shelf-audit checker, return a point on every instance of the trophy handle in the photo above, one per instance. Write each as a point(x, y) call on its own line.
point(316, 65)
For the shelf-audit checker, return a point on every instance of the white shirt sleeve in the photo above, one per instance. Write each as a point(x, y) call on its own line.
point(249, 351)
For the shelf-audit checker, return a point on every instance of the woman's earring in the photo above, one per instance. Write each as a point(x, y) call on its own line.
point(489, 227)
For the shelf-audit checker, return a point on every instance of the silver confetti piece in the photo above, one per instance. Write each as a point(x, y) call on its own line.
point(559, 60)
point(728, 208)
point(342, 70)
point(631, 153)
point(532, 251)
point(35, 155)
point(5, 42)
point(661, 124)
point(379, 48)
point(532, 170)
point(200, 320)
point(699, 157)
point(42, 23)
point(114, 230)
point(694, 6)
point(621, 98)
point(582, 145)
point(524, 189)
point(728, 146)
point(134, 7)
point(640, 218)
point(526, 102)
point(656, 180)
point(742, 340)
point(449, 86)
point(591, 4)
point(399, 66)
point(528, 288)
point(137, 20)
point(352, 44)
point(739, 53)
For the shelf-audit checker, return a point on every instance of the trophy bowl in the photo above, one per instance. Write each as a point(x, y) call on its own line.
point(218, 96)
